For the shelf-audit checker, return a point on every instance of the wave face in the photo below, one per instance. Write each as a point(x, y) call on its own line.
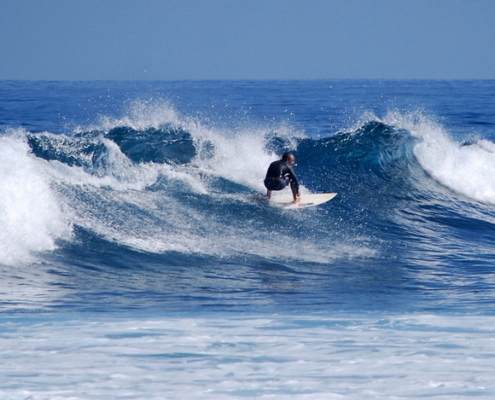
point(164, 208)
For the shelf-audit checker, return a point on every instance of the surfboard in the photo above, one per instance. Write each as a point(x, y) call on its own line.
point(307, 200)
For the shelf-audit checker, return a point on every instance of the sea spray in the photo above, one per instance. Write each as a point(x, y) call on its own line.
point(31, 217)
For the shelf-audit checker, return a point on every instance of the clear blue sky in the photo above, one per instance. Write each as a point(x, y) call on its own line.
point(247, 39)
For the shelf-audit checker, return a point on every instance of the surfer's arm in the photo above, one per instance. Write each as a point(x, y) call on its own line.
point(293, 179)
point(294, 184)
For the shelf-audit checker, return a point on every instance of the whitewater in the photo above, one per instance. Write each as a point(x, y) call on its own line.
point(137, 261)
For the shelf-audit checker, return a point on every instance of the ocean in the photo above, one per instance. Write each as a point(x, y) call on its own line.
point(137, 261)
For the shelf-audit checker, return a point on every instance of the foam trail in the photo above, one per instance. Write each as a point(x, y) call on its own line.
point(30, 214)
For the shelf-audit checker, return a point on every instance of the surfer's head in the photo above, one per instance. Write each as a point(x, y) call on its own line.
point(289, 157)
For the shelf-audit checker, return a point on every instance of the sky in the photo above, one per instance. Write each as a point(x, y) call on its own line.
point(246, 39)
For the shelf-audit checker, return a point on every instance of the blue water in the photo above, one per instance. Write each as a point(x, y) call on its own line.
point(130, 223)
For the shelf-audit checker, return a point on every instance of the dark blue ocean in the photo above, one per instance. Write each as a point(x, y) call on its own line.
point(137, 261)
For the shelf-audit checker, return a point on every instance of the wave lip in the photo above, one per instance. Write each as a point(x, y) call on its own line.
point(468, 169)
point(414, 145)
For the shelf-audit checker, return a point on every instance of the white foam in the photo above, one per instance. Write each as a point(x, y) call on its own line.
point(31, 217)
point(238, 357)
point(466, 169)
point(242, 159)
point(469, 170)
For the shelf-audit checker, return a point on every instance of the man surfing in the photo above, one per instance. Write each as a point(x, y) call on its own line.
point(280, 174)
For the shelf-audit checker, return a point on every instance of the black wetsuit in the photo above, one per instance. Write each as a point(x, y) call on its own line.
point(278, 176)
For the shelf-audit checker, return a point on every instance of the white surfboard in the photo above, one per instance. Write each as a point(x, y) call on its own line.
point(307, 200)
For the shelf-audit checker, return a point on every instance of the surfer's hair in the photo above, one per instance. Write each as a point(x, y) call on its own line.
point(286, 155)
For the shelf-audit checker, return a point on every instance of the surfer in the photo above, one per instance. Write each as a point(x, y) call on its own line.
point(280, 174)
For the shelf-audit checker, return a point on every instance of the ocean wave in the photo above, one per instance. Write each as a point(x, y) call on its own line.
point(157, 182)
